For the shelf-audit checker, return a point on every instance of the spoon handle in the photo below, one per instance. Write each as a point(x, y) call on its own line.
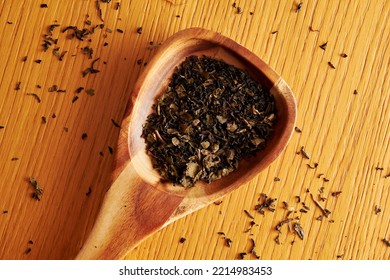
point(132, 210)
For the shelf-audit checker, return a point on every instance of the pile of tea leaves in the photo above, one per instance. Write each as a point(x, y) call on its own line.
point(210, 117)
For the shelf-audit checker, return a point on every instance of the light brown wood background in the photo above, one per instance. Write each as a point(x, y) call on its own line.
point(347, 134)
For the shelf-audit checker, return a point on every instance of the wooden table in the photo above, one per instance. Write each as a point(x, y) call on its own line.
point(66, 140)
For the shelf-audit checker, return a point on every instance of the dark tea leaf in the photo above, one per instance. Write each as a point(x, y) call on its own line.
point(211, 116)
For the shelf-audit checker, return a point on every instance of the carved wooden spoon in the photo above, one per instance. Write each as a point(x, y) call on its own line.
point(137, 203)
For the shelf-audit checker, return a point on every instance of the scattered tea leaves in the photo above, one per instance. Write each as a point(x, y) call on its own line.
point(248, 214)
point(75, 98)
point(90, 91)
point(331, 65)
point(38, 191)
point(119, 30)
point(228, 242)
point(44, 6)
point(17, 86)
point(325, 211)
point(315, 165)
point(84, 136)
point(323, 46)
point(79, 89)
point(377, 209)
point(115, 123)
point(267, 203)
point(299, 7)
point(299, 230)
point(182, 240)
point(297, 129)
point(336, 193)
point(280, 224)
point(305, 153)
point(44, 120)
point(139, 30)
point(110, 150)
point(242, 255)
point(344, 55)
point(35, 96)
point(313, 30)
point(239, 10)
point(91, 69)
point(274, 32)
point(38, 61)
point(53, 88)
point(276, 179)
point(387, 242)
point(28, 251)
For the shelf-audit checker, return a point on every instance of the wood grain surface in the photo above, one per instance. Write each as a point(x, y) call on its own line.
point(343, 112)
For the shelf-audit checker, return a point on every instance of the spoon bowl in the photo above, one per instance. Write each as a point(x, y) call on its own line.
point(138, 203)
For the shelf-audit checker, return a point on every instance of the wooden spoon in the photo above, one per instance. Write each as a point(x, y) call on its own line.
point(137, 203)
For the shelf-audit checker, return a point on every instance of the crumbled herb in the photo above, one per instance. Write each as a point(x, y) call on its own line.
point(24, 58)
point(87, 51)
point(101, 154)
point(38, 61)
point(320, 218)
point(105, 44)
point(251, 13)
point(248, 214)
point(44, 120)
point(377, 209)
point(115, 123)
point(117, 5)
point(99, 10)
point(379, 168)
point(119, 30)
point(298, 198)
point(280, 224)
point(91, 69)
point(139, 30)
point(276, 179)
point(2, 126)
point(221, 233)
point(387, 242)
point(337, 193)
point(331, 65)
point(325, 211)
point(44, 6)
point(79, 89)
point(53, 88)
point(242, 255)
point(28, 251)
point(228, 242)
point(182, 239)
point(267, 203)
point(299, 230)
point(74, 99)
point(17, 86)
point(90, 91)
point(325, 179)
point(219, 202)
point(38, 191)
point(14, 158)
point(88, 193)
point(234, 5)
point(66, 129)
point(35, 96)
point(84, 136)
point(30, 242)
point(323, 46)
point(343, 55)
point(305, 153)
point(299, 7)
point(277, 240)
point(297, 129)
point(239, 10)
point(5, 211)
point(9, 22)
point(313, 30)
point(315, 165)
point(110, 150)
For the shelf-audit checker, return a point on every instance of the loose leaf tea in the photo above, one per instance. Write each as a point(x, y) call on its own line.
point(210, 117)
